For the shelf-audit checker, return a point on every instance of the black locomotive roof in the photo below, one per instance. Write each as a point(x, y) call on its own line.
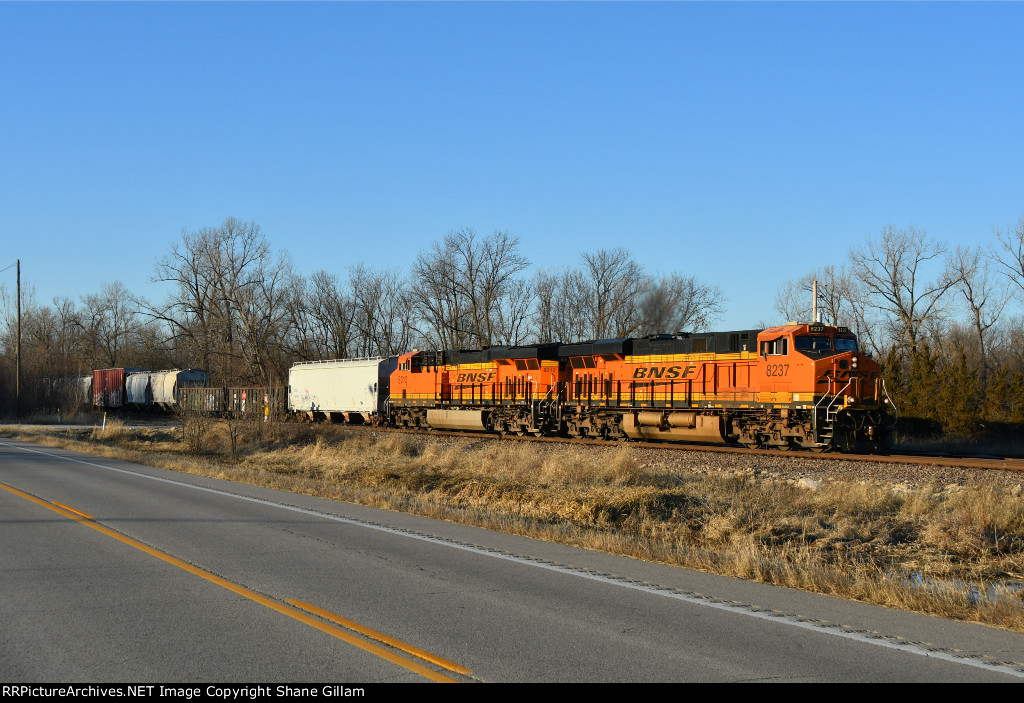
point(534, 351)
point(479, 356)
point(696, 343)
point(685, 343)
point(596, 347)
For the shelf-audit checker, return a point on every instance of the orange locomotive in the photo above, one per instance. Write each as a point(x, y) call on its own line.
point(504, 389)
point(785, 387)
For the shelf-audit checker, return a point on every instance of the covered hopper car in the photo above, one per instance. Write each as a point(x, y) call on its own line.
point(159, 389)
point(349, 390)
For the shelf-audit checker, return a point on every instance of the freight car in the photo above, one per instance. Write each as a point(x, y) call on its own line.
point(108, 387)
point(159, 389)
point(249, 401)
point(68, 392)
point(347, 390)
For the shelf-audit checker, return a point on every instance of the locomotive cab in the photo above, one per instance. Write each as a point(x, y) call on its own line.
point(820, 369)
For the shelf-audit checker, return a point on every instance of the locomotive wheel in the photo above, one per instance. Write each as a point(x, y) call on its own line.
point(753, 441)
point(847, 439)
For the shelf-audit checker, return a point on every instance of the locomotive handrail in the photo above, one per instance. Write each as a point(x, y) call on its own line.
point(331, 361)
point(828, 392)
point(895, 410)
point(835, 396)
point(533, 413)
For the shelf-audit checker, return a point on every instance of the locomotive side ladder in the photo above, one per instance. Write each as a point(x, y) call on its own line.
point(826, 431)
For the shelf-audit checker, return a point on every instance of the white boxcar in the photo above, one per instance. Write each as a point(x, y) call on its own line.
point(351, 390)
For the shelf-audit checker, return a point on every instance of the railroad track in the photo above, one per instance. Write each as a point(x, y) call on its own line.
point(1015, 464)
point(935, 459)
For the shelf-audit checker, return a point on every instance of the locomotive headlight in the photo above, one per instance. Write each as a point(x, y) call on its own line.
point(853, 362)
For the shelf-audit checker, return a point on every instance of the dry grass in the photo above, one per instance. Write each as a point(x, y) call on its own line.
point(932, 550)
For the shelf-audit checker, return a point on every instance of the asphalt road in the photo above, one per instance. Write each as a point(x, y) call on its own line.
point(115, 572)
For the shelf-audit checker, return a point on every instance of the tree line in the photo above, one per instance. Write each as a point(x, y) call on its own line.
point(939, 320)
point(239, 310)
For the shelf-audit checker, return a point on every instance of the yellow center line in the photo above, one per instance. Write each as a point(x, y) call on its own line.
point(68, 507)
point(381, 637)
point(242, 591)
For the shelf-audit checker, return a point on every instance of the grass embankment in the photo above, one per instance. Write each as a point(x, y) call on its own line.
point(930, 550)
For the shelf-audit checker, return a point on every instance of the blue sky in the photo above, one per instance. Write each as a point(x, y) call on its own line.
point(745, 143)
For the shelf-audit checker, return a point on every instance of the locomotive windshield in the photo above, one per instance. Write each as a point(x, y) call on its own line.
point(808, 343)
point(813, 344)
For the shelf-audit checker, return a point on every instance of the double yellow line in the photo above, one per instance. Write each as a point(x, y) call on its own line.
point(293, 609)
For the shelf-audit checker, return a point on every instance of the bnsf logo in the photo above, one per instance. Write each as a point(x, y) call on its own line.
point(479, 377)
point(664, 372)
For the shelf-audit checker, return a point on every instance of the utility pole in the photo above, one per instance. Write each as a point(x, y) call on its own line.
point(814, 308)
point(17, 358)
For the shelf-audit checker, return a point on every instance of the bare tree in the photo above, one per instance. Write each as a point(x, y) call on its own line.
point(561, 306)
point(231, 303)
point(110, 321)
point(614, 283)
point(1009, 255)
point(498, 309)
point(261, 301)
point(611, 296)
point(512, 319)
point(69, 336)
point(546, 295)
point(395, 320)
point(332, 314)
point(9, 305)
point(303, 341)
point(440, 300)
point(795, 299)
point(461, 285)
point(969, 267)
point(891, 271)
point(382, 314)
point(193, 312)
